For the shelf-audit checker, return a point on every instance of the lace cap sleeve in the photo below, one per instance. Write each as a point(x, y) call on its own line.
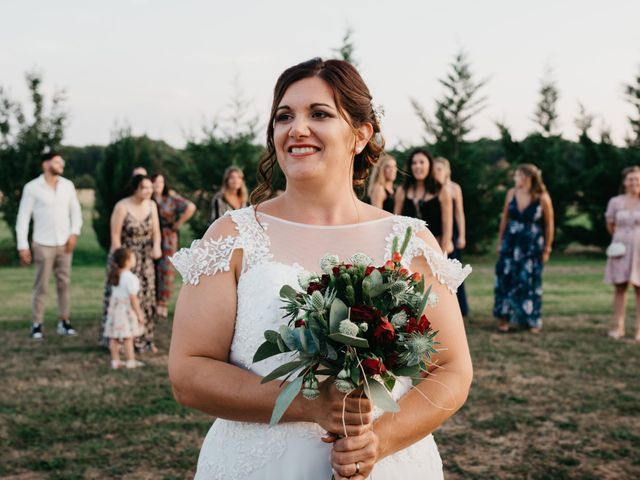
point(205, 257)
point(447, 271)
point(211, 254)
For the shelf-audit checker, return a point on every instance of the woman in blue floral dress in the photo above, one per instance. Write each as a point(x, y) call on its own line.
point(524, 245)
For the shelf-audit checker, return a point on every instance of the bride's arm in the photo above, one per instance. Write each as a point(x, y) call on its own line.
point(199, 368)
point(430, 403)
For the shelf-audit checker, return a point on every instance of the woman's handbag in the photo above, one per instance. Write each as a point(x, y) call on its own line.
point(616, 249)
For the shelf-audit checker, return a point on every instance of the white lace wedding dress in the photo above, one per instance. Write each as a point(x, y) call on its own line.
point(274, 252)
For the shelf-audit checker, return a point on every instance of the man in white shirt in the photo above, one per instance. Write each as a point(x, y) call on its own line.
point(57, 218)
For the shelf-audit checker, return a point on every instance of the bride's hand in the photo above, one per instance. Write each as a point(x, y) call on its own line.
point(350, 416)
point(354, 457)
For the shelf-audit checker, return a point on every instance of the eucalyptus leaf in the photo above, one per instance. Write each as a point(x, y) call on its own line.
point(423, 304)
point(271, 336)
point(289, 292)
point(337, 313)
point(376, 278)
point(349, 340)
point(283, 370)
point(284, 400)
point(379, 289)
point(266, 350)
point(407, 371)
point(380, 396)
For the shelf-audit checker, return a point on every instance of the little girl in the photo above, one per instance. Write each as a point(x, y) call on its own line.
point(125, 319)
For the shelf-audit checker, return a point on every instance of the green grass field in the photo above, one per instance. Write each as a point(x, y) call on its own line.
point(565, 404)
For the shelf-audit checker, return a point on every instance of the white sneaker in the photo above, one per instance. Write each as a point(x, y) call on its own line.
point(133, 364)
point(65, 329)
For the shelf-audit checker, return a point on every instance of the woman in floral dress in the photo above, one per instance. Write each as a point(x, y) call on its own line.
point(135, 225)
point(524, 245)
point(174, 211)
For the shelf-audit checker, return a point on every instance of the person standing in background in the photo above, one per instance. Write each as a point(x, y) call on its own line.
point(442, 173)
point(623, 262)
point(233, 194)
point(524, 245)
point(381, 189)
point(173, 211)
point(52, 202)
point(135, 225)
point(423, 197)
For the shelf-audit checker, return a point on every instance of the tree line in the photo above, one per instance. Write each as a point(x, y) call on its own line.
point(580, 175)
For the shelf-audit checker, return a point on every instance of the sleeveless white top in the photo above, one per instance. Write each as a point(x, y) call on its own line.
point(275, 252)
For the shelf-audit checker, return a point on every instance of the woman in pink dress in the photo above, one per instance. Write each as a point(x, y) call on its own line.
point(623, 264)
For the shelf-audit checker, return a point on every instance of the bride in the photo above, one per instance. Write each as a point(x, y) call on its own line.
point(324, 135)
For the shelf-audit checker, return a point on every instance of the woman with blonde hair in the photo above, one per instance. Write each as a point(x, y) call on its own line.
point(623, 267)
point(233, 194)
point(524, 245)
point(442, 173)
point(381, 188)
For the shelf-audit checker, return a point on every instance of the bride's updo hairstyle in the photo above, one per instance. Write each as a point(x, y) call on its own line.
point(353, 102)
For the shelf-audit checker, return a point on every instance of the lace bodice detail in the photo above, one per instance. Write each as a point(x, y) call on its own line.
point(275, 253)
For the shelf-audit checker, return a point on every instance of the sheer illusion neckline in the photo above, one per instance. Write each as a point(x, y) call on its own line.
point(327, 227)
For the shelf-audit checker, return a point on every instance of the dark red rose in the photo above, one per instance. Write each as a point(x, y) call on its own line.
point(365, 313)
point(300, 323)
point(369, 269)
point(423, 324)
point(415, 325)
point(347, 266)
point(313, 286)
point(324, 280)
point(336, 271)
point(391, 361)
point(411, 325)
point(384, 332)
point(373, 366)
point(382, 269)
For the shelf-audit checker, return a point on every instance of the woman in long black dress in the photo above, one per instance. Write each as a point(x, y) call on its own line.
point(381, 188)
point(442, 173)
point(423, 197)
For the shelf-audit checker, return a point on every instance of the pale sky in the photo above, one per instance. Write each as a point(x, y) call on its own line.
point(167, 67)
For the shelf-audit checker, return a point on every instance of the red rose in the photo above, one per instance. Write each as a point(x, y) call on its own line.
point(336, 271)
point(382, 269)
point(324, 280)
point(423, 324)
point(391, 361)
point(384, 332)
point(415, 325)
point(300, 323)
point(373, 366)
point(365, 313)
point(369, 269)
point(313, 286)
point(347, 266)
point(401, 308)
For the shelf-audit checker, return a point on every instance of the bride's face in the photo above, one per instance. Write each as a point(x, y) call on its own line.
point(312, 140)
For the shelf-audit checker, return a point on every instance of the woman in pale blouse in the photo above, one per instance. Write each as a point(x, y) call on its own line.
point(623, 223)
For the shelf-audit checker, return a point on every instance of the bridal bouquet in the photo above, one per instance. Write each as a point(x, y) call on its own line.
point(362, 324)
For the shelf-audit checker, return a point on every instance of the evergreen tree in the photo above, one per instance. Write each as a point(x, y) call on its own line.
point(584, 121)
point(23, 138)
point(632, 94)
point(121, 156)
point(546, 114)
point(460, 102)
point(345, 51)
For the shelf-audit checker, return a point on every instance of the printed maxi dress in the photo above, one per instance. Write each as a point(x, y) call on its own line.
point(170, 208)
point(518, 287)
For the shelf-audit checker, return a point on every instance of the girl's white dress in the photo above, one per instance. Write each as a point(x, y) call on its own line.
point(122, 321)
point(274, 253)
